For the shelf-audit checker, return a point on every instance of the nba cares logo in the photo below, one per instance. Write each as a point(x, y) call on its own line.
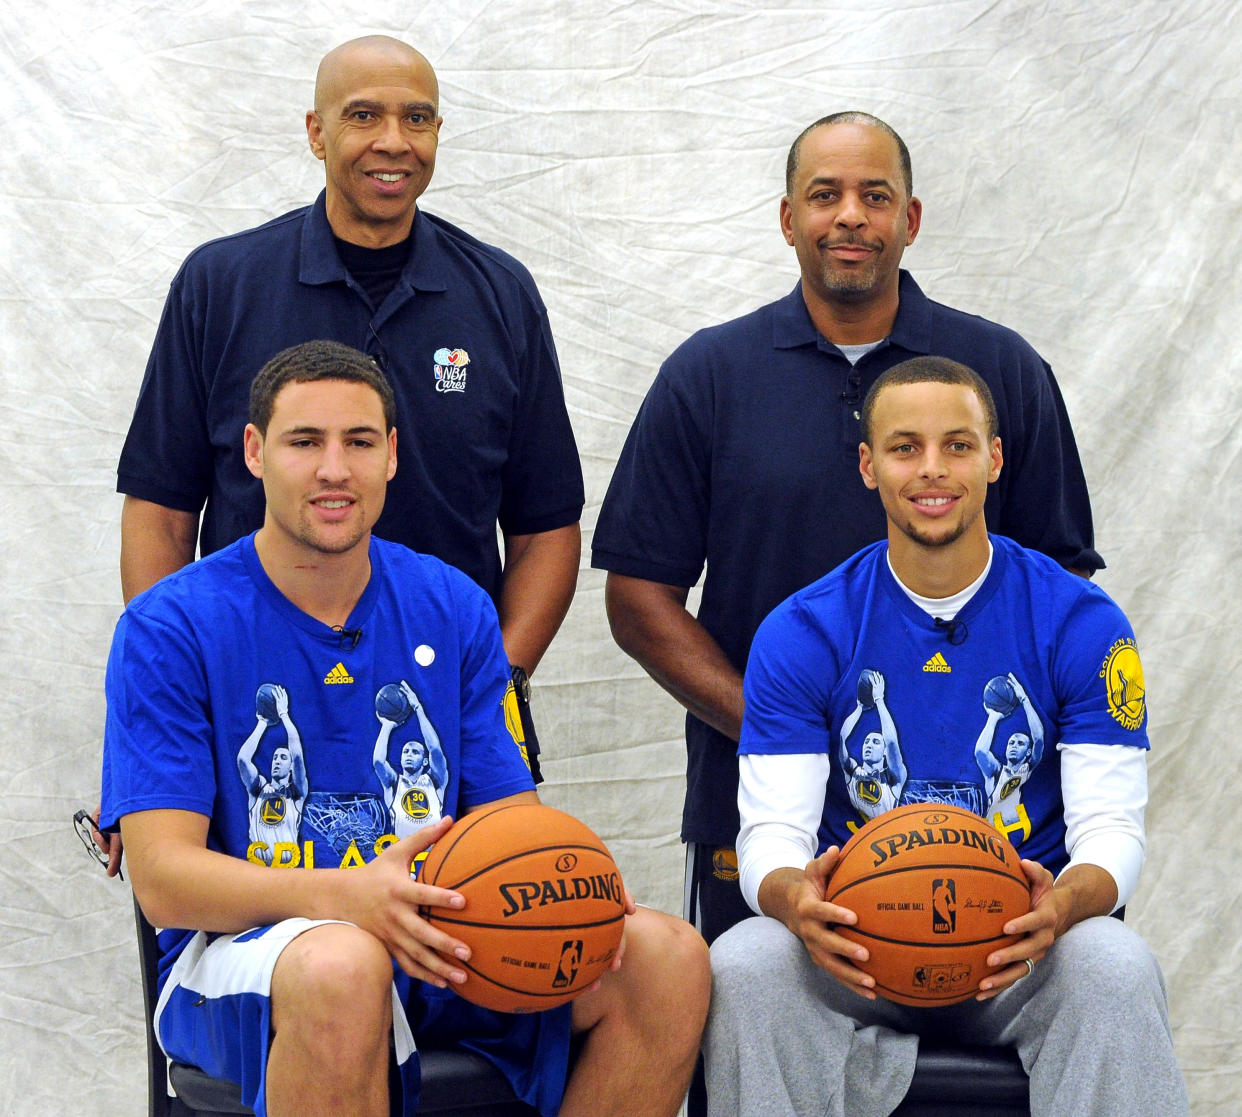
point(450, 366)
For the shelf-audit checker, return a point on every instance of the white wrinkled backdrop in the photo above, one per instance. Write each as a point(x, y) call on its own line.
point(1080, 173)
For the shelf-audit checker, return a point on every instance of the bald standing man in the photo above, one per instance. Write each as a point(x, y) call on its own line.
point(457, 325)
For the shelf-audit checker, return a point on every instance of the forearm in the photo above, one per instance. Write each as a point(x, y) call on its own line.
point(1083, 891)
point(650, 622)
point(181, 883)
point(155, 541)
point(540, 574)
point(778, 894)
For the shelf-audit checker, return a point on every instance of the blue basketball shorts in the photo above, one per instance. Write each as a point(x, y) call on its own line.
point(214, 1013)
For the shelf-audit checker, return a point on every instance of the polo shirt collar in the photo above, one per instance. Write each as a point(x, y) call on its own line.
point(912, 329)
point(792, 325)
point(320, 263)
point(791, 321)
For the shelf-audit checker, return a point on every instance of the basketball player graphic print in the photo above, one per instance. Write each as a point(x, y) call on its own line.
point(875, 783)
point(275, 803)
point(1003, 780)
point(414, 796)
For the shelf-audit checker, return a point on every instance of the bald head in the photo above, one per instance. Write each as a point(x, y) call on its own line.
point(376, 126)
point(338, 70)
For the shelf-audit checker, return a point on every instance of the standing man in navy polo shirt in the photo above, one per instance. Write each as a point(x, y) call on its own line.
point(744, 458)
point(457, 325)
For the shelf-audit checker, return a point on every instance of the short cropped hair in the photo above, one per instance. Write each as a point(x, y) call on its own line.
point(852, 117)
point(930, 370)
point(317, 360)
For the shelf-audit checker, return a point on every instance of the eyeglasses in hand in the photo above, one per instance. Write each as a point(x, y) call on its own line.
point(84, 827)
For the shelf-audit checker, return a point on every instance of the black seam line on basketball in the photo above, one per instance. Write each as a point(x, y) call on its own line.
point(948, 944)
point(558, 847)
point(495, 810)
point(947, 868)
point(931, 1002)
point(563, 991)
point(437, 918)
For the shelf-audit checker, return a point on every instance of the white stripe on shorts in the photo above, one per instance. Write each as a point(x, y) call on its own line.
point(225, 967)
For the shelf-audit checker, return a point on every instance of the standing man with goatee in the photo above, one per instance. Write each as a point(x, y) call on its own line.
point(743, 461)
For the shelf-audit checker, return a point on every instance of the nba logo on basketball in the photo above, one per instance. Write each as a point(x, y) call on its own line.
point(944, 906)
point(567, 970)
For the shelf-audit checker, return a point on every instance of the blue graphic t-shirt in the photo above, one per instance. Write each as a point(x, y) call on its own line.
point(911, 712)
point(305, 746)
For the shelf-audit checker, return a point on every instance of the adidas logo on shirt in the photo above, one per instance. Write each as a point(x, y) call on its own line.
point(937, 663)
point(338, 674)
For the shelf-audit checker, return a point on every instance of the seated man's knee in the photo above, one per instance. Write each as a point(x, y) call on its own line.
point(335, 975)
point(664, 982)
point(674, 952)
point(753, 955)
point(1104, 958)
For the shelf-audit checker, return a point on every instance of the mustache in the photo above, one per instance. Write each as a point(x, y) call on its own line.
point(853, 241)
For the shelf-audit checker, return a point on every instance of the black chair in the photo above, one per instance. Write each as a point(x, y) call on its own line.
point(962, 1081)
point(456, 1083)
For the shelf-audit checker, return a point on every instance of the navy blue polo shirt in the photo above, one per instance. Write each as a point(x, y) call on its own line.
point(744, 459)
point(483, 435)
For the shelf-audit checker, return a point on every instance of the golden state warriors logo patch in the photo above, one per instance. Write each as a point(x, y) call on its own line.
point(513, 721)
point(1122, 673)
point(414, 803)
point(273, 809)
point(869, 791)
point(724, 863)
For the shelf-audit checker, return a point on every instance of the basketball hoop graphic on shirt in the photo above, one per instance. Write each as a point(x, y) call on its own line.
point(450, 367)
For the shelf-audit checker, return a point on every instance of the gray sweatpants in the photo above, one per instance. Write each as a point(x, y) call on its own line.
point(1090, 1025)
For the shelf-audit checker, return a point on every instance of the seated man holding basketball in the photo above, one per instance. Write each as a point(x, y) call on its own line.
point(943, 612)
point(302, 986)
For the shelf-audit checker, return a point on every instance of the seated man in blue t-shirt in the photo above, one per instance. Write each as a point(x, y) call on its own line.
point(957, 631)
point(298, 985)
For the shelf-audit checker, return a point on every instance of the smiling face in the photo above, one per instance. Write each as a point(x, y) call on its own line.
point(325, 463)
point(848, 215)
point(931, 459)
point(376, 126)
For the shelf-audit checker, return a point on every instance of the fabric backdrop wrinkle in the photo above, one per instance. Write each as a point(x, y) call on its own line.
point(1082, 183)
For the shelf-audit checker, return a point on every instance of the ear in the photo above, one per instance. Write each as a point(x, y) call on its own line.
point(314, 133)
point(787, 220)
point(998, 460)
point(914, 218)
point(252, 446)
point(866, 466)
point(392, 453)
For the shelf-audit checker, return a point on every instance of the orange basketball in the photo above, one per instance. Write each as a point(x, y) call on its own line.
point(932, 886)
point(545, 906)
